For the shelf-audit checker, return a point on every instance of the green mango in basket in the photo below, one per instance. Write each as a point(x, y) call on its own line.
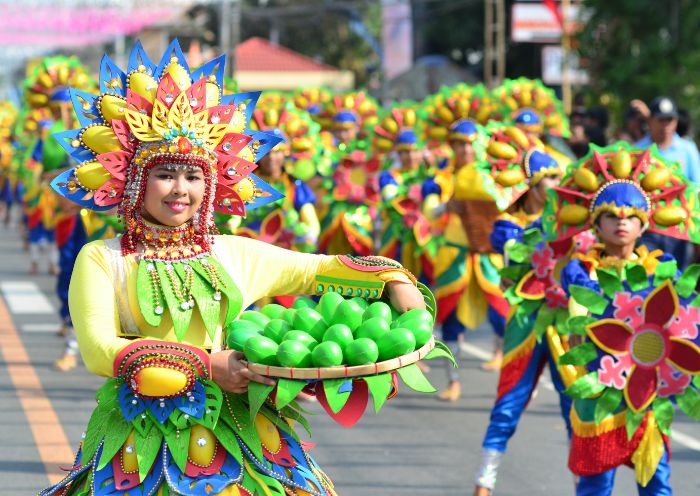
point(348, 313)
point(362, 351)
point(273, 310)
point(309, 320)
point(327, 354)
point(372, 329)
point(378, 309)
point(416, 313)
point(339, 333)
point(276, 329)
point(361, 301)
point(302, 337)
point(288, 315)
point(420, 329)
point(395, 343)
point(303, 303)
point(239, 331)
point(261, 349)
point(254, 316)
point(293, 354)
point(328, 304)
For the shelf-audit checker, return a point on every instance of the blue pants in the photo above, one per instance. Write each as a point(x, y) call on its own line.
point(40, 234)
point(452, 327)
point(602, 484)
point(507, 410)
point(67, 254)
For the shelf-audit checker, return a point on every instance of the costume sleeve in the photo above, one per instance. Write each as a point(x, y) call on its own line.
point(575, 273)
point(267, 270)
point(388, 185)
point(93, 308)
point(503, 232)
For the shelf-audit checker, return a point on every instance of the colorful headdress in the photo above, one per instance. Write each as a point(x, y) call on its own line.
point(457, 103)
point(164, 114)
point(528, 102)
point(354, 109)
point(516, 162)
point(628, 182)
point(49, 81)
point(399, 129)
point(313, 101)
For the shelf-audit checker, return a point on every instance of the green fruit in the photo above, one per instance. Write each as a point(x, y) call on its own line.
point(372, 329)
point(396, 343)
point(254, 316)
point(421, 330)
point(378, 309)
point(309, 320)
point(261, 349)
point(327, 354)
point(361, 301)
point(348, 313)
point(328, 304)
point(362, 351)
point(303, 303)
point(416, 313)
point(302, 337)
point(273, 310)
point(339, 333)
point(238, 332)
point(288, 315)
point(293, 354)
point(276, 328)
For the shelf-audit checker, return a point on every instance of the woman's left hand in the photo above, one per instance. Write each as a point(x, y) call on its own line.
point(404, 296)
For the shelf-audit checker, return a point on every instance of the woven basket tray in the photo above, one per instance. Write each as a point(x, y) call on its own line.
point(344, 371)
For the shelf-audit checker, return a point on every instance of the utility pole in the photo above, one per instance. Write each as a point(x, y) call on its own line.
point(230, 32)
point(494, 42)
point(566, 55)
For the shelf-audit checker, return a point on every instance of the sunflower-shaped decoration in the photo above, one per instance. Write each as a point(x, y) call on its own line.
point(356, 179)
point(455, 103)
point(354, 109)
point(155, 114)
point(49, 80)
point(399, 129)
point(529, 104)
point(313, 101)
point(627, 182)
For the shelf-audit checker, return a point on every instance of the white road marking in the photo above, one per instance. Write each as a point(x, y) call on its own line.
point(25, 298)
point(44, 327)
point(689, 442)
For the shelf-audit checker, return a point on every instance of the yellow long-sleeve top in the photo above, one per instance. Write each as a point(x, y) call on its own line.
point(105, 311)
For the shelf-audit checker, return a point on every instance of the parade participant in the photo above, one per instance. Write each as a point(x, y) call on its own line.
point(643, 340)
point(405, 232)
point(522, 181)
point(352, 115)
point(8, 118)
point(149, 307)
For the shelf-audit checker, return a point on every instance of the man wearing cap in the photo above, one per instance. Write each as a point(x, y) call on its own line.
point(663, 120)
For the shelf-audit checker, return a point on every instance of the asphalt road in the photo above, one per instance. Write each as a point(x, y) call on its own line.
point(416, 446)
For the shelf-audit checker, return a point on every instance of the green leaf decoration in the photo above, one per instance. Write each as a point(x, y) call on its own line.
point(335, 399)
point(632, 422)
point(664, 271)
point(294, 415)
point(593, 301)
point(429, 299)
point(256, 483)
point(441, 353)
point(561, 321)
point(178, 443)
point(208, 307)
point(114, 439)
point(607, 404)
point(109, 391)
point(519, 252)
point(212, 406)
point(609, 282)
point(413, 377)
point(144, 293)
point(106, 412)
point(696, 381)
point(686, 283)
point(663, 411)
point(234, 298)
point(143, 425)
point(577, 325)
point(636, 277)
point(147, 449)
point(227, 438)
point(580, 355)
point(689, 402)
point(287, 390)
point(530, 306)
point(533, 237)
point(586, 386)
point(166, 428)
point(240, 422)
point(545, 318)
point(181, 318)
point(257, 394)
point(380, 386)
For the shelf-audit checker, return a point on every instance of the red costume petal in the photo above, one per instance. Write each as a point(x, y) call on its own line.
point(611, 335)
point(685, 356)
point(661, 305)
point(641, 386)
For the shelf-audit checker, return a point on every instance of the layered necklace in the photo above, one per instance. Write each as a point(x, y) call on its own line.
point(177, 272)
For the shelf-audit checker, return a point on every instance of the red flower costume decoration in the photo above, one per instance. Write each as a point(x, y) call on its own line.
point(648, 347)
point(356, 179)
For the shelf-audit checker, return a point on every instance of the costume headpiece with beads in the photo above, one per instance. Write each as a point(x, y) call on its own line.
point(48, 82)
point(532, 105)
point(627, 182)
point(164, 114)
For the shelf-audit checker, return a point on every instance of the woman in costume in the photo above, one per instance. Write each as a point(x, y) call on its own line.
point(523, 182)
point(642, 341)
point(149, 307)
point(8, 118)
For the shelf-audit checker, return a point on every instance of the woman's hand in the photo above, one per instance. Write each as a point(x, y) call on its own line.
point(231, 374)
point(404, 296)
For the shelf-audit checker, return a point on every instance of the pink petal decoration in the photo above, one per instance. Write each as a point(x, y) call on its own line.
point(167, 91)
point(115, 163)
point(110, 193)
point(198, 92)
point(136, 102)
